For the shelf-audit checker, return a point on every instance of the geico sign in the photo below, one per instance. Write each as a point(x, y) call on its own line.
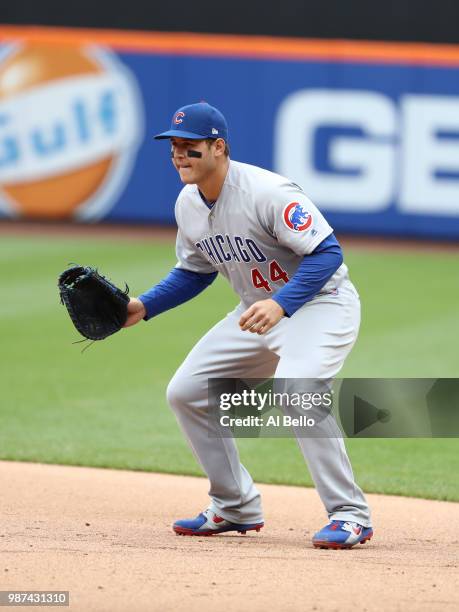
point(406, 153)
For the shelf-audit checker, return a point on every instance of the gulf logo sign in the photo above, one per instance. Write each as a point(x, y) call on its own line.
point(71, 122)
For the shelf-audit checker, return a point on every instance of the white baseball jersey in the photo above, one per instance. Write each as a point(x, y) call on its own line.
point(256, 234)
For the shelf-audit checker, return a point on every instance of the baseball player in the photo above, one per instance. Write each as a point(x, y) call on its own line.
point(298, 318)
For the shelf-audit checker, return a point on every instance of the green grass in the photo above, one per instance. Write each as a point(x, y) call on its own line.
point(106, 407)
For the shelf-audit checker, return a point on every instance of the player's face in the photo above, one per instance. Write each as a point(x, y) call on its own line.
point(192, 170)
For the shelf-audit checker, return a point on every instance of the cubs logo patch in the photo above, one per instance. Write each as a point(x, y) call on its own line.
point(296, 217)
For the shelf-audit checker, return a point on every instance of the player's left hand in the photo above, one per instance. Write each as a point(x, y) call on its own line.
point(261, 316)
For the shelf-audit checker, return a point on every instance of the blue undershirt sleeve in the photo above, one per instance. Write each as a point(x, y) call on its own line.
point(313, 273)
point(178, 287)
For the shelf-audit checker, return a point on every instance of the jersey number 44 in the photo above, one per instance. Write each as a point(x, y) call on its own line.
point(276, 274)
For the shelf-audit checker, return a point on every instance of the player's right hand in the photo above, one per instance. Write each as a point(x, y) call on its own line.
point(261, 316)
point(136, 312)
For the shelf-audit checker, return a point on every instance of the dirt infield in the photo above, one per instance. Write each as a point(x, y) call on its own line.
point(105, 536)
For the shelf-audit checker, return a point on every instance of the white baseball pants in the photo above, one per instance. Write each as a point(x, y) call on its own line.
point(312, 344)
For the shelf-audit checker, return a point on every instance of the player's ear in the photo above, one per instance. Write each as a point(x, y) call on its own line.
point(220, 147)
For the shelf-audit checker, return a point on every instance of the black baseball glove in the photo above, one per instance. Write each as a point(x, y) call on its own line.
point(97, 307)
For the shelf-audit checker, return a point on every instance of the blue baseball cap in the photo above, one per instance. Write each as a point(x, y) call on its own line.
point(196, 122)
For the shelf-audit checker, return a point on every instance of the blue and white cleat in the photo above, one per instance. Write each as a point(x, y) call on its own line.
point(208, 523)
point(342, 534)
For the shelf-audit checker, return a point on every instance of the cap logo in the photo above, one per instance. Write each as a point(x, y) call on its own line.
point(178, 117)
point(214, 131)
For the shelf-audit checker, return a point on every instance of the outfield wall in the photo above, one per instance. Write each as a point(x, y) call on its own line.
point(369, 130)
point(401, 20)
